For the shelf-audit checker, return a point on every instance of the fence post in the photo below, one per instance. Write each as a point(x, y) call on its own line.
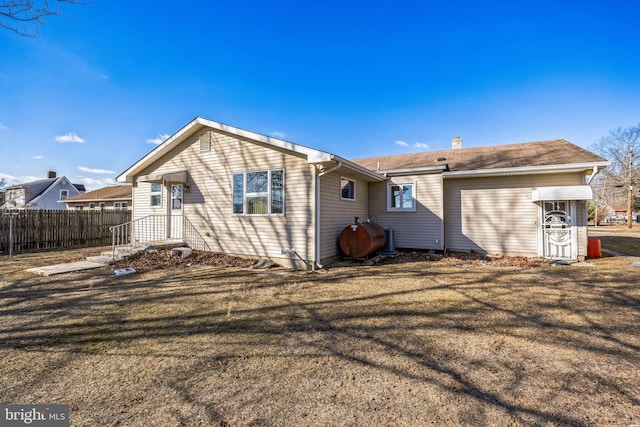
point(11, 215)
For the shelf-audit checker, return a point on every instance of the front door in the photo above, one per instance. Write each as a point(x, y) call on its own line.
point(175, 211)
point(559, 239)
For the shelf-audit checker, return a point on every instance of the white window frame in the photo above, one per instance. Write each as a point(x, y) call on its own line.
point(413, 185)
point(66, 194)
point(344, 178)
point(268, 194)
point(155, 193)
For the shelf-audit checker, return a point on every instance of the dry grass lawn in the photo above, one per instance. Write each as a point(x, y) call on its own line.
point(410, 344)
point(619, 238)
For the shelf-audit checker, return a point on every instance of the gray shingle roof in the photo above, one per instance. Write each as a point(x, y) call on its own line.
point(544, 153)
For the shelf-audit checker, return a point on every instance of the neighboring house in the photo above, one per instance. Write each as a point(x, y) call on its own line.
point(253, 195)
point(617, 211)
point(112, 197)
point(41, 194)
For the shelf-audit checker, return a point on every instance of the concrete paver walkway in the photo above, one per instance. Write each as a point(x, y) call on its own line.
point(50, 270)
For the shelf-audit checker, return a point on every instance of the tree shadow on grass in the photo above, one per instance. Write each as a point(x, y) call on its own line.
point(410, 324)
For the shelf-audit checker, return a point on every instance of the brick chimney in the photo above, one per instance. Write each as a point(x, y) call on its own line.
point(456, 143)
point(51, 174)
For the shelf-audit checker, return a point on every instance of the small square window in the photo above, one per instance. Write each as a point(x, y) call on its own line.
point(64, 194)
point(401, 197)
point(347, 189)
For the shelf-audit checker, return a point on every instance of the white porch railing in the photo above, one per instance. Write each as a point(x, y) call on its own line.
point(157, 229)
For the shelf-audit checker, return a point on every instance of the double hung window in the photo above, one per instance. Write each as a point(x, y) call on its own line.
point(258, 193)
point(156, 194)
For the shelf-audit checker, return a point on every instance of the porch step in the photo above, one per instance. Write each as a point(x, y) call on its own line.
point(106, 260)
point(111, 257)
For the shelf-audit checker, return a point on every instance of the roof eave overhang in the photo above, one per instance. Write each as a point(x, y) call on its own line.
point(312, 155)
point(586, 168)
point(368, 174)
point(112, 199)
point(415, 171)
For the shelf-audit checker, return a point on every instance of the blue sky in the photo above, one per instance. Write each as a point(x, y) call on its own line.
point(90, 96)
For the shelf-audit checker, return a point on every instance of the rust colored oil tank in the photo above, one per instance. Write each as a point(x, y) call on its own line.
point(360, 240)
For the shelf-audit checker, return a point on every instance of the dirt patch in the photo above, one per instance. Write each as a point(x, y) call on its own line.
point(463, 259)
point(162, 258)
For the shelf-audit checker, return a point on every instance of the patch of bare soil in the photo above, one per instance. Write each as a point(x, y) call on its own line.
point(162, 258)
point(464, 259)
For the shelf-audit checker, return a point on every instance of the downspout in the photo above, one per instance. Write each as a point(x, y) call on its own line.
point(593, 175)
point(317, 213)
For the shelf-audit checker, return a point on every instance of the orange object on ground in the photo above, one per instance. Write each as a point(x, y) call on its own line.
point(594, 249)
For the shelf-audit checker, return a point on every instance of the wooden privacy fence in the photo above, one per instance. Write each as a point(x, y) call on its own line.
point(35, 230)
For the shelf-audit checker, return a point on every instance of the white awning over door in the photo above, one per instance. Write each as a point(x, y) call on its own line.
point(177, 177)
point(567, 192)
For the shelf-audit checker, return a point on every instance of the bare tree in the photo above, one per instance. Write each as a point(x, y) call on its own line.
point(622, 148)
point(24, 17)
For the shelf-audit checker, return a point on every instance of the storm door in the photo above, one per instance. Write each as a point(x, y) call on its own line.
point(558, 232)
point(175, 211)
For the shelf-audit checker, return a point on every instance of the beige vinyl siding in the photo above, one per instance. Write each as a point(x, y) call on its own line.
point(208, 200)
point(422, 229)
point(336, 214)
point(496, 214)
point(582, 222)
point(141, 195)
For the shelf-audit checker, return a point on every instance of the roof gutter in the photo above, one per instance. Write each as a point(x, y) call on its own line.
point(525, 170)
point(375, 176)
point(415, 171)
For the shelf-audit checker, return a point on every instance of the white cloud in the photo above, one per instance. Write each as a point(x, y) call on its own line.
point(94, 184)
point(97, 171)
point(278, 134)
point(402, 143)
point(70, 137)
point(3, 127)
point(159, 139)
point(421, 145)
point(38, 157)
point(8, 178)
point(14, 180)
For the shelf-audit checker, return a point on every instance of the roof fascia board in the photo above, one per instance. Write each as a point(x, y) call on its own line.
point(375, 176)
point(526, 170)
point(127, 175)
point(98, 199)
point(313, 155)
point(415, 171)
